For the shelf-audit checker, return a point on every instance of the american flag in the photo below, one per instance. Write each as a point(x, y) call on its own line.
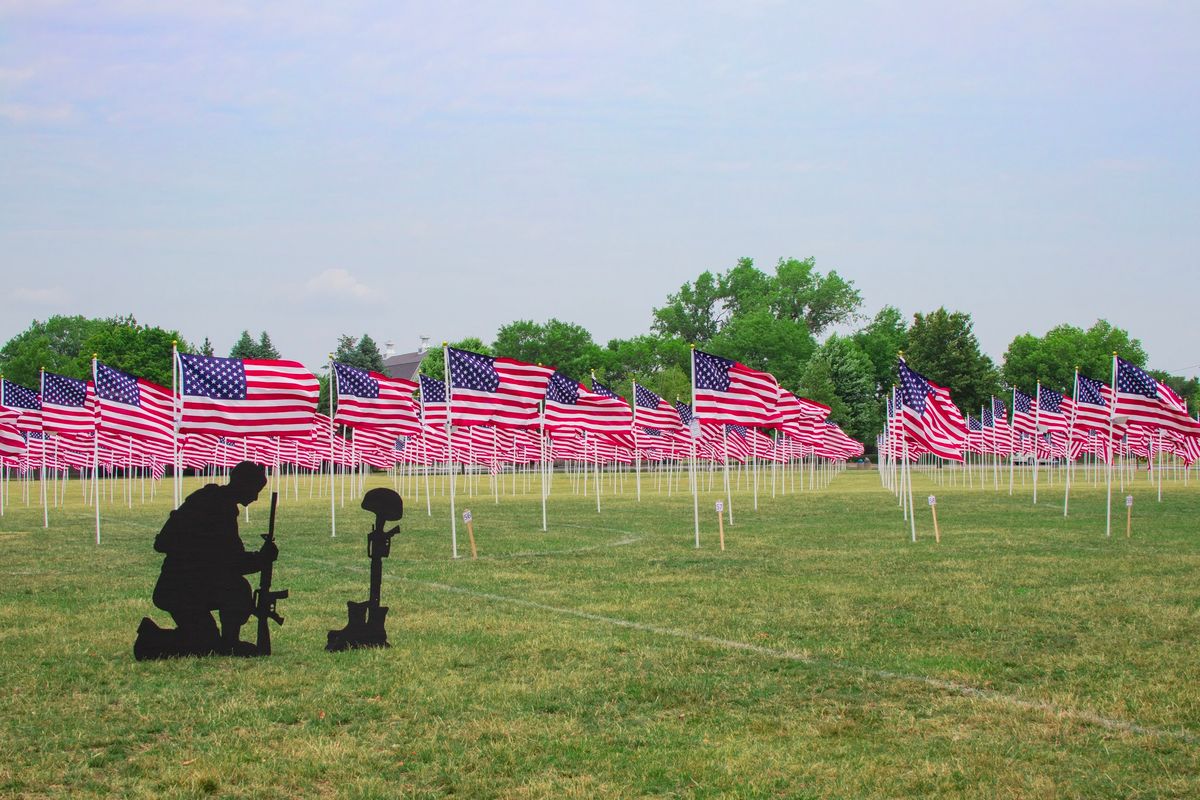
point(247, 397)
point(800, 418)
point(730, 393)
point(1054, 411)
point(433, 401)
point(132, 406)
point(12, 443)
point(974, 435)
point(495, 391)
point(1094, 407)
point(26, 402)
point(1145, 401)
point(1024, 413)
point(571, 406)
point(367, 399)
point(651, 411)
point(68, 404)
point(927, 418)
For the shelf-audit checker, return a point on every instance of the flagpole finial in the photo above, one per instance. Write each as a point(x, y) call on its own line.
point(445, 343)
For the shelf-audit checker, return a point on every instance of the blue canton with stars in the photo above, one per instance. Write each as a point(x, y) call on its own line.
point(212, 376)
point(63, 391)
point(473, 371)
point(432, 391)
point(355, 381)
point(999, 410)
point(602, 390)
point(1022, 403)
point(562, 389)
point(17, 396)
point(989, 421)
point(913, 389)
point(974, 424)
point(1051, 401)
point(1090, 392)
point(685, 413)
point(117, 386)
point(644, 398)
point(712, 372)
point(1131, 380)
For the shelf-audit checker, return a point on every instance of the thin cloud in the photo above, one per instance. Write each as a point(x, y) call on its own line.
point(340, 284)
point(45, 296)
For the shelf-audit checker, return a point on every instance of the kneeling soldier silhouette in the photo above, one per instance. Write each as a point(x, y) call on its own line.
point(202, 572)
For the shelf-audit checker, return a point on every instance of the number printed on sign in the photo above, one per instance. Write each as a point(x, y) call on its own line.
point(720, 506)
point(1129, 501)
point(467, 515)
point(932, 500)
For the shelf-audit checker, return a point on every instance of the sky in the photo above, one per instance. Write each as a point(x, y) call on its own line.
point(441, 169)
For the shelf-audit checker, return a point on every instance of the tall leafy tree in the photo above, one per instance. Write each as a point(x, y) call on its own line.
point(244, 347)
point(840, 364)
point(65, 344)
point(762, 341)
point(692, 314)
point(564, 345)
point(881, 340)
point(943, 347)
point(658, 363)
point(434, 364)
point(803, 294)
point(1052, 358)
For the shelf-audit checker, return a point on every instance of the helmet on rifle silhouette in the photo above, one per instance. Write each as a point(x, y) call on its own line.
point(384, 503)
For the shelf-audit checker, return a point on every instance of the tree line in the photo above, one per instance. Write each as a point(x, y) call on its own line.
point(778, 320)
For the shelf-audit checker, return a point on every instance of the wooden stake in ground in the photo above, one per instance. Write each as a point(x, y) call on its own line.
point(1128, 514)
point(470, 531)
point(937, 534)
point(721, 523)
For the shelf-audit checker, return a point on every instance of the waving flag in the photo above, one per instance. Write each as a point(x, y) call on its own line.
point(571, 406)
point(495, 391)
point(433, 402)
point(1054, 411)
point(1147, 402)
point(68, 404)
point(730, 393)
point(26, 402)
point(651, 411)
point(12, 443)
point(926, 416)
point(367, 399)
point(247, 397)
point(1024, 413)
point(132, 406)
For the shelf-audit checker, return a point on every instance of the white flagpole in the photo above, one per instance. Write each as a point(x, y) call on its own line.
point(542, 463)
point(45, 501)
point(728, 488)
point(1112, 455)
point(637, 450)
point(1070, 437)
point(693, 429)
point(332, 455)
point(1011, 444)
point(450, 449)
point(96, 450)
point(1037, 433)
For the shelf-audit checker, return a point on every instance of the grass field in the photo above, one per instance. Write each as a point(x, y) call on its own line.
point(822, 655)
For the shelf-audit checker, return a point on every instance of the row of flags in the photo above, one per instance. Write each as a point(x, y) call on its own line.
point(1140, 416)
point(269, 408)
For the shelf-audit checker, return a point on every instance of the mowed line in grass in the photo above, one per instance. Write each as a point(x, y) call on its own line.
point(939, 684)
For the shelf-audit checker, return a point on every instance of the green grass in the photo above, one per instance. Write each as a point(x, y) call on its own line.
point(821, 655)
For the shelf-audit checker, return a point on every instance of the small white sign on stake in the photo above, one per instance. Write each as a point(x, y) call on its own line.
point(467, 515)
point(932, 500)
point(1129, 501)
point(720, 506)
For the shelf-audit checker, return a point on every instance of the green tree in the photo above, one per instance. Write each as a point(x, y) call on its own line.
point(206, 349)
point(840, 365)
point(1187, 388)
point(65, 344)
point(244, 347)
point(817, 384)
point(658, 363)
point(803, 294)
point(564, 345)
point(942, 346)
point(762, 341)
point(1052, 358)
point(881, 340)
point(693, 313)
point(265, 348)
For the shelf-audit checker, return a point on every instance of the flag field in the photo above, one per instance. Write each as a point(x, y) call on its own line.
point(822, 654)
